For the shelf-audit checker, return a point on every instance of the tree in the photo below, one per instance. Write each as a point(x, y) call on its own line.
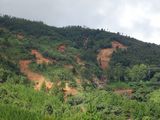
point(118, 72)
point(156, 77)
point(4, 74)
point(115, 73)
point(137, 72)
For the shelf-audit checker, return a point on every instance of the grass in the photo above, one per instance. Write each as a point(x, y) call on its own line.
point(117, 85)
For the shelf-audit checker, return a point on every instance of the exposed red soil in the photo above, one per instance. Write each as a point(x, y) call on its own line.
point(40, 59)
point(69, 91)
point(105, 55)
point(127, 92)
point(117, 45)
point(48, 85)
point(61, 48)
point(37, 78)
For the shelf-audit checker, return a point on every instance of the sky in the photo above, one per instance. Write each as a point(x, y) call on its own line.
point(137, 18)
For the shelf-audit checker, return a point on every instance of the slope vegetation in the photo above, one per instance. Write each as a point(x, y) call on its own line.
point(78, 73)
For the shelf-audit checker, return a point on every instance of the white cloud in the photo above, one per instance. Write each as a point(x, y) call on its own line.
point(155, 20)
point(138, 18)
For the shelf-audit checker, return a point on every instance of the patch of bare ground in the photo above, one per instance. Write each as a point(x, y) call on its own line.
point(40, 59)
point(69, 91)
point(37, 78)
point(105, 55)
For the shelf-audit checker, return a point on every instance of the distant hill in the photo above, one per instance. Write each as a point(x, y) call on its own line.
point(85, 43)
point(74, 66)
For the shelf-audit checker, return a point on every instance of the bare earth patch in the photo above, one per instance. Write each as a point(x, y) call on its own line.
point(69, 91)
point(38, 79)
point(105, 55)
point(40, 59)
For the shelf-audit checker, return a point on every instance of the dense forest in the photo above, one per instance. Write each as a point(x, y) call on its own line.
point(74, 72)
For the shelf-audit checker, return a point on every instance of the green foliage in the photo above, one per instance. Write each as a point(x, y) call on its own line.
point(19, 101)
point(75, 100)
point(137, 72)
point(155, 97)
point(8, 112)
point(116, 73)
point(156, 77)
point(117, 85)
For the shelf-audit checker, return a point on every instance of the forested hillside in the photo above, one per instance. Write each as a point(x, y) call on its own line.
point(49, 73)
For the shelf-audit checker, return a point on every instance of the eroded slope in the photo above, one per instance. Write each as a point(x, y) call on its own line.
point(105, 55)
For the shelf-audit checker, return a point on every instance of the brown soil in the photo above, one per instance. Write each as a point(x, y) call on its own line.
point(127, 92)
point(37, 78)
point(61, 48)
point(48, 85)
point(117, 45)
point(104, 56)
point(69, 91)
point(40, 59)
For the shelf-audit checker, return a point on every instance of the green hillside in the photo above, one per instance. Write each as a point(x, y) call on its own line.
point(69, 73)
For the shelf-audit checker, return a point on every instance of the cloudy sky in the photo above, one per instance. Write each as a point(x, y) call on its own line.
point(137, 18)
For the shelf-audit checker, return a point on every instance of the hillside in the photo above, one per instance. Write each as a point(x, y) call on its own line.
point(75, 73)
